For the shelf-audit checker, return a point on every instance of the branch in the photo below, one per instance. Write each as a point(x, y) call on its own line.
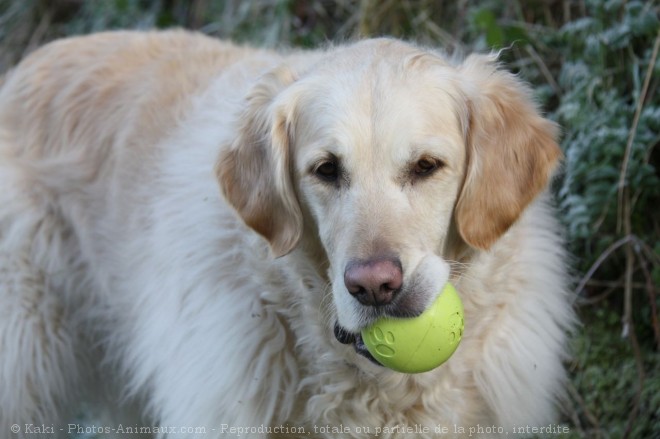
point(608, 251)
point(638, 112)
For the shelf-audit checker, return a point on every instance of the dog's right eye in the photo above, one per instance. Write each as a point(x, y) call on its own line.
point(327, 170)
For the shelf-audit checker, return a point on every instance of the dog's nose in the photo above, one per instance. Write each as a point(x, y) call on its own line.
point(374, 282)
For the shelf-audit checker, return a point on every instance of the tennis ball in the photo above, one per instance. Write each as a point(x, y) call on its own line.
point(421, 343)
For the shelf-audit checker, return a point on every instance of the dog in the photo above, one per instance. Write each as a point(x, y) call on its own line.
point(194, 233)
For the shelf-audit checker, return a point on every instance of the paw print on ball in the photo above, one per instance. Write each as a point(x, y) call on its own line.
point(456, 325)
point(384, 342)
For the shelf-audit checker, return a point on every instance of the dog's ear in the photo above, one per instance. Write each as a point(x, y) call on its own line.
point(255, 173)
point(511, 152)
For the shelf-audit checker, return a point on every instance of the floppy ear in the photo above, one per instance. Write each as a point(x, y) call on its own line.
point(511, 152)
point(254, 172)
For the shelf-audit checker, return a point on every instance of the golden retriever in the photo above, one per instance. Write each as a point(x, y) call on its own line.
point(193, 234)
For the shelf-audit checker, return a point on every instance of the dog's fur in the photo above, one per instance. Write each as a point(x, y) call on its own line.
point(171, 227)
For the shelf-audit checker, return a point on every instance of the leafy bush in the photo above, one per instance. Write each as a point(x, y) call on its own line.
point(599, 77)
point(602, 77)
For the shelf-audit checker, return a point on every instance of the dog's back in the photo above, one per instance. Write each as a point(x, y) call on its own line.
point(80, 100)
point(80, 121)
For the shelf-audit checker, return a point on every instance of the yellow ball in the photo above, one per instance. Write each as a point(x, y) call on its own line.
point(421, 343)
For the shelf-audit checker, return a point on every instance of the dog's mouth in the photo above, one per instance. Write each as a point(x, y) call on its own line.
point(345, 337)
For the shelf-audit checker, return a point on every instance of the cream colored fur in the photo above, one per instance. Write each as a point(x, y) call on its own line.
point(169, 252)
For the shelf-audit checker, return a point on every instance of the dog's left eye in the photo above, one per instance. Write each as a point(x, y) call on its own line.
point(327, 170)
point(426, 166)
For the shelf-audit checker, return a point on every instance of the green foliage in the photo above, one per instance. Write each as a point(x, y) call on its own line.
point(606, 374)
point(601, 78)
point(490, 33)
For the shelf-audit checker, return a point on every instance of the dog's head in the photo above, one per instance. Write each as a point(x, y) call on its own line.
point(386, 156)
